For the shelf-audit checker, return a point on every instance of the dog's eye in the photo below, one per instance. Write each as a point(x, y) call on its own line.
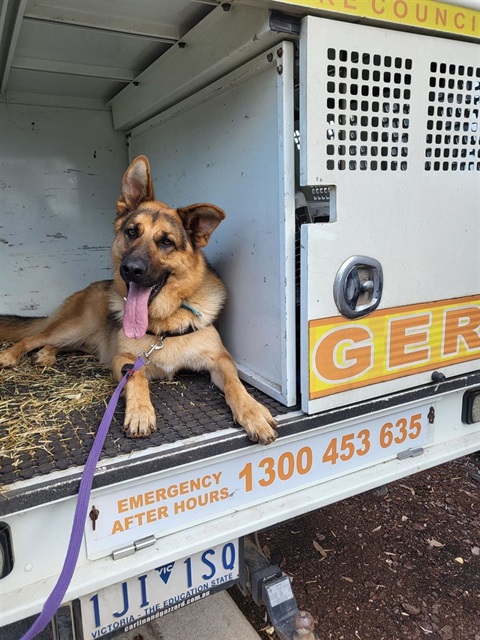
point(165, 242)
point(131, 233)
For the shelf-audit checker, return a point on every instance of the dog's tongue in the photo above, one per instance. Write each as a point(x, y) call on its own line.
point(135, 315)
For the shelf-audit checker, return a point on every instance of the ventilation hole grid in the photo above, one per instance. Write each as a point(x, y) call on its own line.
point(453, 136)
point(368, 107)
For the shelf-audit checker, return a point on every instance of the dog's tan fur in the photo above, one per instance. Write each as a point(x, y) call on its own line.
point(168, 240)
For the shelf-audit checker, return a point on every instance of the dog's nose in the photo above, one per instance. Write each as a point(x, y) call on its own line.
point(133, 269)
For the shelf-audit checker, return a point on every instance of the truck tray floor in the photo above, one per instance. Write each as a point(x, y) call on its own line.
point(46, 427)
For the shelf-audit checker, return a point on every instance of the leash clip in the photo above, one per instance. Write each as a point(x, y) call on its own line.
point(154, 347)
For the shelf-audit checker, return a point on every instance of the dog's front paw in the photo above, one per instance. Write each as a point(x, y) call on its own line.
point(9, 358)
point(140, 421)
point(257, 421)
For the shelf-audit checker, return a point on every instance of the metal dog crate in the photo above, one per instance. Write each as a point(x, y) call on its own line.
point(389, 133)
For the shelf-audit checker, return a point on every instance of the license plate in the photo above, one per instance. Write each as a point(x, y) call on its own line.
point(165, 588)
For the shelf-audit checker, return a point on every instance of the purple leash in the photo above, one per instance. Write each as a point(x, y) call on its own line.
point(55, 598)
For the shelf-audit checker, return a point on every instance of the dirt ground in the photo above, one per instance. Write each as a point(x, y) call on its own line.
point(399, 566)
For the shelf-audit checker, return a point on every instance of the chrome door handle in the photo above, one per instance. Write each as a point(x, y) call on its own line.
point(358, 285)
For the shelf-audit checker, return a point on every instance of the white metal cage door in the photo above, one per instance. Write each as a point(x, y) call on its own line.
point(389, 122)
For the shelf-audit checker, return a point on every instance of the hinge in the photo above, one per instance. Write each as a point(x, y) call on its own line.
point(410, 453)
point(131, 548)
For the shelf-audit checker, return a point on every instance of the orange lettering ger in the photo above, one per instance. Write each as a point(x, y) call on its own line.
point(461, 327)
point(389, 345)
point(407, 336)
point(344, 354)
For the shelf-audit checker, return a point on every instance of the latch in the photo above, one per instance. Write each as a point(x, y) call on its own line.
point(358, 285)
point(131, 548)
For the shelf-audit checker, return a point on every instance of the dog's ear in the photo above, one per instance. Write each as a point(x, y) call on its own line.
point(137, 186)
point(200, 221)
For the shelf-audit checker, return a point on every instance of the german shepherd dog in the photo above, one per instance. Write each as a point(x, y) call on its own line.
point(163, 295)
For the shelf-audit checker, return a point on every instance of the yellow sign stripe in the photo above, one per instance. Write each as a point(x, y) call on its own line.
point(391, 343)
point(425, 14)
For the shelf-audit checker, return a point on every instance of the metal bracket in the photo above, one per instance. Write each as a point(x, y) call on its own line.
point(410, 453)
point(64, 624)
point(283, 23)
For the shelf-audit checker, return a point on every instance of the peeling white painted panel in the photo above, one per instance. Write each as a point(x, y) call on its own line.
point(60, 174)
